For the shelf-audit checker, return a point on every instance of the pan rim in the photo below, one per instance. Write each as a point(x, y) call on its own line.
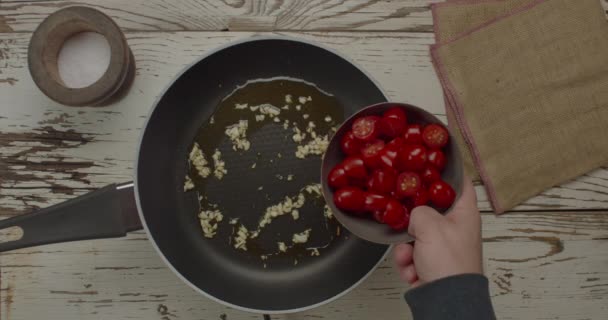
point(253, 38)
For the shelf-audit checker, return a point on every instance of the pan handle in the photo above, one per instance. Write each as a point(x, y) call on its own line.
point(105, 213)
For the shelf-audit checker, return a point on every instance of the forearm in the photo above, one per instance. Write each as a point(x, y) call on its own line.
point(458, 297)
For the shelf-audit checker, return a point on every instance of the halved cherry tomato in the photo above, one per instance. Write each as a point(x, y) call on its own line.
point(350, 199)
point(429, 175)
point(394, 213)
point(396, 144)
point(366, 128)
point(375, 202)
point(412, 157)
point(382, 181)
point(379, 215)
point(403, 223)
point(421, 198)
point(441, 194)
point(408, 183)
point(388, 158)
point(371, 153)
point(396, 113)
point(337, 177)
point(413, 134)
point(354, 167)
point(349, 144)
point(435, 136)
point(391, 127)
point(437, 159)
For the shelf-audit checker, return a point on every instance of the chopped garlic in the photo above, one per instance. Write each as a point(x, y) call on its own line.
point(327, 119)
point(283, 207)
point(282, 246)
point(302, 100)
point(288, 99)
point(219, 165)
point(299, 136)
point(254, 108)
point(259, 117)
point(238, 135)
point(317, 146)
point(279, 155)
point(298, 107)
point(295, 214)
point(260, 188)
point(289, 177)
point(309, 98)
point(254, 165)
point(276, 119)
point(327, 212)
point(285, 107)
point(188, 184)
point(269, 110)
point(314, 252)
point(286, 124)
point(314, 188)
point(211, 120)
point(305, 116)
point(209, 220)
point(240, 241)
point(301, 237)
point(233, 221)
point(239, 106)
point(197, 159)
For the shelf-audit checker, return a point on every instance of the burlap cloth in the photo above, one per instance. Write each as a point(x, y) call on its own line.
point(526, 82)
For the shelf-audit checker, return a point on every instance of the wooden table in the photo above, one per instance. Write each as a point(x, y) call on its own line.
point(546, 260)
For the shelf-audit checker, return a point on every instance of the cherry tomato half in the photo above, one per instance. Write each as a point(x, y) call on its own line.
point(375, 202)
point(441, 194)
point(382, 181)
point(366, 128)
point(413, 134)
point(394, 213)
point(435, 136)
point(437, 159)
point(371, 153)
point(354, 167)
point(429, 175)
point(408, 183)
point(337, 177)
point(350, 199)
point(412, 157)
point(350, 145)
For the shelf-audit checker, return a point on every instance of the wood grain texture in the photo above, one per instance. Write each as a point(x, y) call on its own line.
point(558, 271)
point(52, 152)
point(235, 15)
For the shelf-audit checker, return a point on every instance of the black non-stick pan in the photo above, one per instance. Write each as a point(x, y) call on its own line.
point(286, 283)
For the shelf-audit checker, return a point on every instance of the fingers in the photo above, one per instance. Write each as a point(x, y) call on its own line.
point(404, 254)
point(408, 274)
point(466, 205)
point(421, 219)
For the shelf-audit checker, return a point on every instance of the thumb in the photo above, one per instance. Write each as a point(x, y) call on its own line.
point(465, 208)
point(422, 220)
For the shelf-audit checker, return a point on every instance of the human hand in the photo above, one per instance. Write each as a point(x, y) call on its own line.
point(445, 245)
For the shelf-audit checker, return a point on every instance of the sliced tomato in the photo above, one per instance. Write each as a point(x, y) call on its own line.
point(413, 134)
point(388, 158)
point(350, 199)
point(408, 183)
point(375, 202)
point(394, 213)
point(396, 113)
point(396, 144)
point(366, 128)
point(435, 136)
point(350, 145)
point(412, 157)
point(429, 175)
point(337, 177)
point(382, 181)
point(354, 167)
point(371, 153)
point(437, 159)
point(391, 127)
point(421, 198)
point(442, 194)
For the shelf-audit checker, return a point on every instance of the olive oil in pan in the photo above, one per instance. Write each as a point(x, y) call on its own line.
point(258, 177)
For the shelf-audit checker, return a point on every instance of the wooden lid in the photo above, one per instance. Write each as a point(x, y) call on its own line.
point(48, 40)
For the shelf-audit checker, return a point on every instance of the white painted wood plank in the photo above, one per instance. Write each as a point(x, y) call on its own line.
point(558, 271)
point(52, 152)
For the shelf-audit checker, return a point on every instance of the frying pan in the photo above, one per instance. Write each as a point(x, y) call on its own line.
point(168, 214)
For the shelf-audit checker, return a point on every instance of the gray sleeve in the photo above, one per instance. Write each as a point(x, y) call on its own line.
point(458, 297)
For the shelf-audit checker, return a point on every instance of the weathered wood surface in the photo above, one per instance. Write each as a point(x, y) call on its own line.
point(543, 265)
